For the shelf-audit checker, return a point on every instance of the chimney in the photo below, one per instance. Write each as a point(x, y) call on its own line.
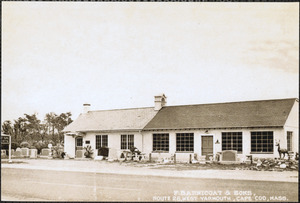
point(159, 101)
point(86, 108)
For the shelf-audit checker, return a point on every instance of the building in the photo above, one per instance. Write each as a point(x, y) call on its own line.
point(249, 127)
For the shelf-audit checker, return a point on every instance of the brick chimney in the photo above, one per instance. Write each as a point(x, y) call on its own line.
point(159, 101)
point(86, 107)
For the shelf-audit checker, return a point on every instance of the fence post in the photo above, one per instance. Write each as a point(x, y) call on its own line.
point(190, 159)
point(174, 158)
point(149, 157)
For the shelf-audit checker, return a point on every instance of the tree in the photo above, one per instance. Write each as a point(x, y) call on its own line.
point(50, 122)
point(61, 122)
point(7, 127)
point(57, 123)
point(32, 130)
point(20, 129)
point(33, 127)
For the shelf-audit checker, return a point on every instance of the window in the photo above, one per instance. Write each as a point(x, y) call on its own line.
point(161, 142)
point(185, 142)
point(79, 142)
point(289, 140)
point(262, 141)
point(87, 142)
point(127, 141)
point(232, 141)
point(101, 141)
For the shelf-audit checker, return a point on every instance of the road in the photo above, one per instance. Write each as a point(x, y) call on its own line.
point(28, 184)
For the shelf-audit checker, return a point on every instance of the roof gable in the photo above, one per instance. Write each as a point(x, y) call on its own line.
point(223, 115)
point(112, 120)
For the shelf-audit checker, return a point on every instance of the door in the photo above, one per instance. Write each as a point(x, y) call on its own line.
point(78, 143)
point(207, 145)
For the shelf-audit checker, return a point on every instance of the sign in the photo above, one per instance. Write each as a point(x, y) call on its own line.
point(4, 139)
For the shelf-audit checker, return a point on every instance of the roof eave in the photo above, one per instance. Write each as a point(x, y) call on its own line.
point(211, 128)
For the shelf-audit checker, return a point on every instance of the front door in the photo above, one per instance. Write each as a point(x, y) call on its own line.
point(78, 143)
point(207, 145)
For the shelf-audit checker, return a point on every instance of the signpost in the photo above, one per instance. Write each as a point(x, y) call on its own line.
point(6, 139)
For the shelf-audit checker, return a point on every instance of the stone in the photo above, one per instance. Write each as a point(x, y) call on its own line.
point(112, 153)
point(229, 155)
point(18, 153)
point(248, 162)
point(98, 158)
point(3, 153)
point(25, 152)
point(12, 152)
point(79, 154)
point(33, 153)
point(282, 166)
point(46, 152)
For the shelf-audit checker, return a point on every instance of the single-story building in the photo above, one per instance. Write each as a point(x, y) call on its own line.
point(249, 127)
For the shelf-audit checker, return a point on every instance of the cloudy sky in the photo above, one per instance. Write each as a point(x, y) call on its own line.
point(58, 55)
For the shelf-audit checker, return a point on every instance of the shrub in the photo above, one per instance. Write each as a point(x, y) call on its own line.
point(24, 145)
point(14, 145)
point(40, 145)
point(88, 151)
point(58, 151)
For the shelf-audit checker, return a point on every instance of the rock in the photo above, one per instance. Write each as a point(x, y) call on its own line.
point(282, 166)
point(99, 158)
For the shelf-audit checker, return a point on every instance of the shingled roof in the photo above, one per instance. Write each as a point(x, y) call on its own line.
point(267, 113)
point(112, 120)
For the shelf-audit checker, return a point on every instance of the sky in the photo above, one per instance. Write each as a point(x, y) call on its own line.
point(58, 55)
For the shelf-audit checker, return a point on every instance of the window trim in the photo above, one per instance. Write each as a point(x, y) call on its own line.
point(127, 141)
point(166, 145)
point(185, 141)
point(231, 143)
point(261, 152)
point(101, 141)
point(289, 144)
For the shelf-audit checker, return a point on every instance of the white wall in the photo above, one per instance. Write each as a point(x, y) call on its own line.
point(69, 145)
point(292, 124)
point(278, 133)
point(114, 140)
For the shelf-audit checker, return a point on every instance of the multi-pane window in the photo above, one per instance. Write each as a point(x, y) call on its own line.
point(185, 142)
point(232, 141)
point(127, 141)
point(79, 141)
point(161, 142)
point(101, 141)
point(262, 141)
point(289, 140)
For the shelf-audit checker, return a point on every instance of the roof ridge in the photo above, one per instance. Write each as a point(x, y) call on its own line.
point(122, 109)
point(182, 105)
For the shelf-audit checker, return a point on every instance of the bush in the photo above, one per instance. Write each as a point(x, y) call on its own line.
point(24, 145)
point(58, 151)
point(89, 151)
point(14, 145)
point(40, 145)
